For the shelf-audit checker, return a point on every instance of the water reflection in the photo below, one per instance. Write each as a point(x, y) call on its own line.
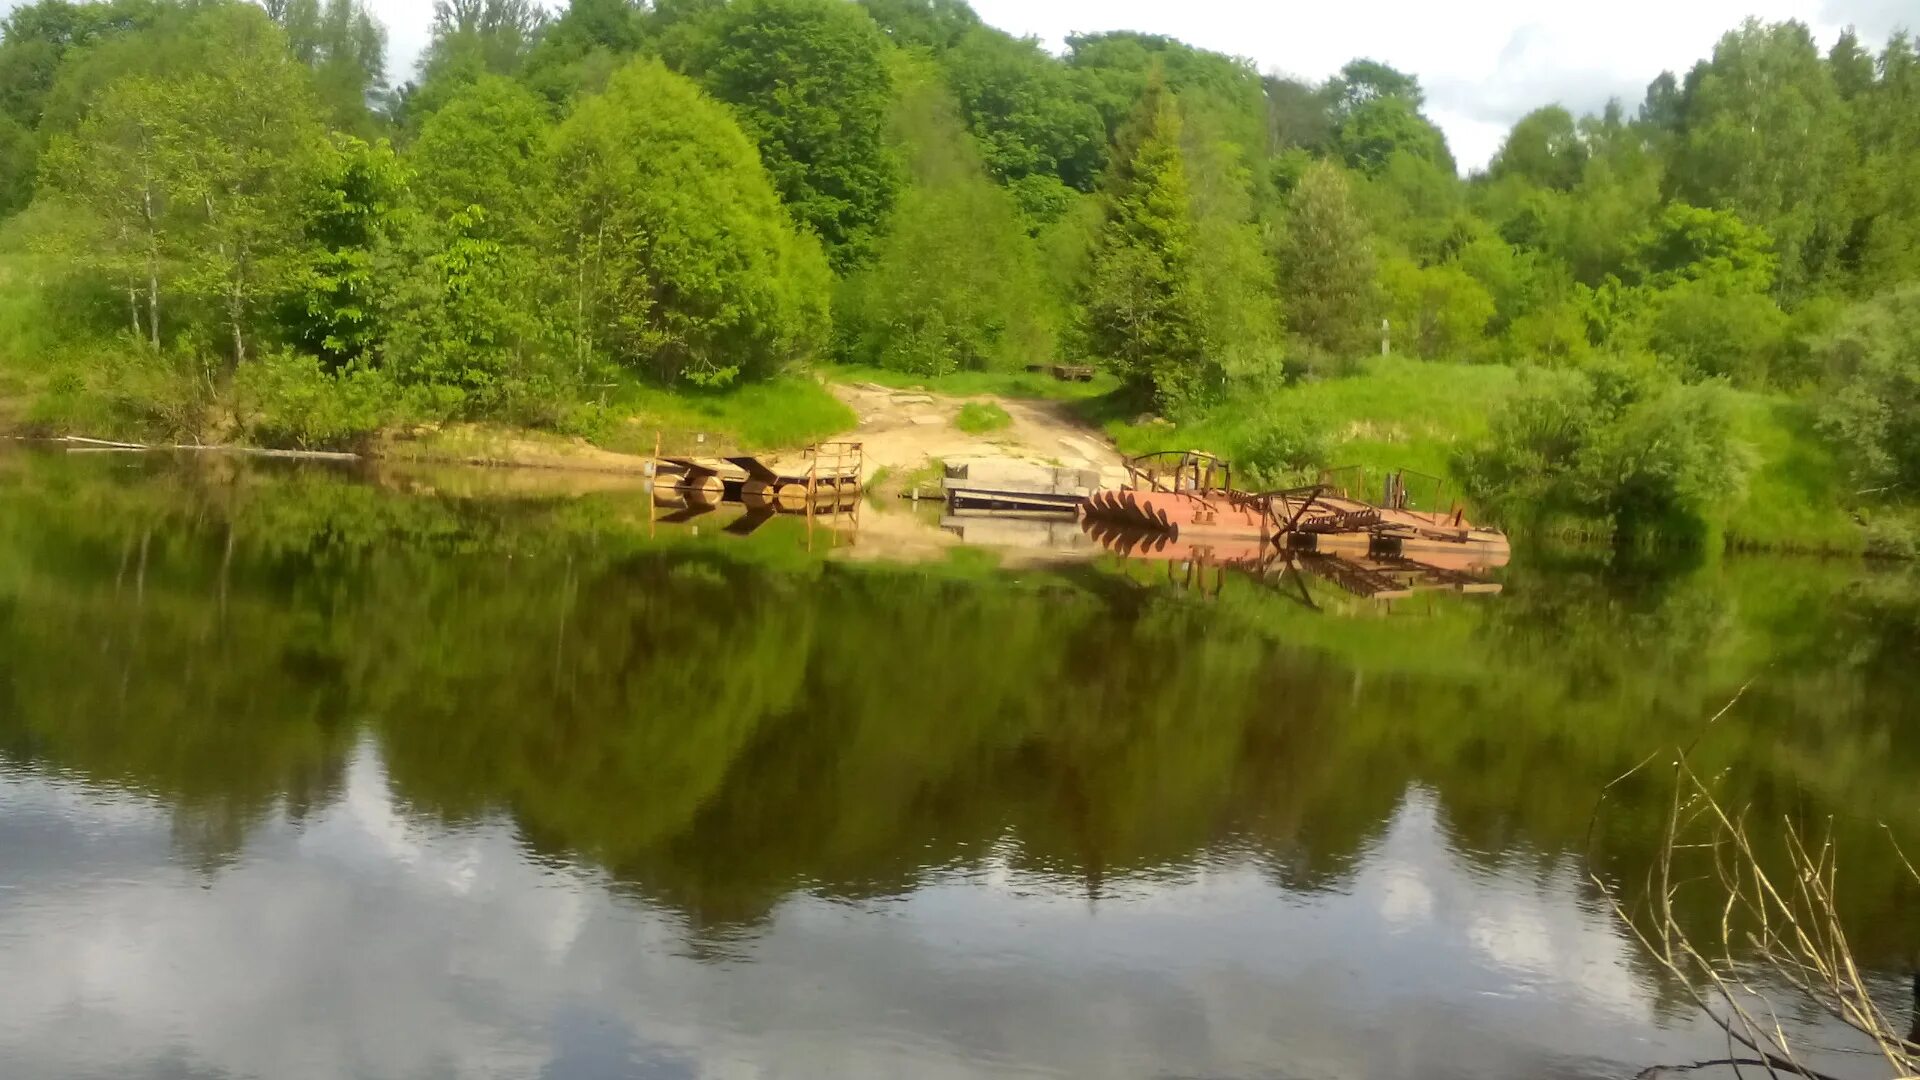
point(506, 785)
point(363, 941)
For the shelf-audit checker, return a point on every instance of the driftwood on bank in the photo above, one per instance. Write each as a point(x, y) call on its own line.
point(76, 443)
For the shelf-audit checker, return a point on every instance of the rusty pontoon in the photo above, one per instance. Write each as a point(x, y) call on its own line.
point(1188, 496)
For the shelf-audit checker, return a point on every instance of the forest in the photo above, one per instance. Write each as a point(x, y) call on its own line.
point(1693, 316)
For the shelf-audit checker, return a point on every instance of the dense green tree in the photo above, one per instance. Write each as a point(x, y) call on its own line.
point(35, 39)
point(485, 148)
point(1544, 148)
point(344, 45)
point(1715, 329)
point(1362, 82)
point(1765, 135)
point(352, 221)
point(471, 312)
point(1416, 203)
point(1883, 245)
point(678, 257)
point(118, 173)
point(1614, 441)
point(1143, 312)
point(1870, 394)
point(808, 80)
point(1327, 270)
point(934, 24)
point(1232, 264)
point(1297, 115)
point(956, 282)
point(1031, 117)
point(471, 38)
point(1435, 312)
point(1378, 129)
point(19, 164)
point(581, 48)
point(1118, 67)
point(200, 178)
point(1688, 243)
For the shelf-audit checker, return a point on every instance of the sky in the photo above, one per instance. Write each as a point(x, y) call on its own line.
point(1484, 63)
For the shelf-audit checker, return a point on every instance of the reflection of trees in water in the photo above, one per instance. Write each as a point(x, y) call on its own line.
point(720, 724)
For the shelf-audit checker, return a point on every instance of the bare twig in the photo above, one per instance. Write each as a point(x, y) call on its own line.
point(1787, 927)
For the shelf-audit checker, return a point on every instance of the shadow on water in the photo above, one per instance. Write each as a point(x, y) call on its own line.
point(722, 724)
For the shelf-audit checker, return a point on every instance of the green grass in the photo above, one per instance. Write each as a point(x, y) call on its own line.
point(1394, 413)
point(780, 413)
point(1011, 384)
point(1795, 495)
point(981, 417)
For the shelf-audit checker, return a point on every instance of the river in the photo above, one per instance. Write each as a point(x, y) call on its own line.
point(312, 773)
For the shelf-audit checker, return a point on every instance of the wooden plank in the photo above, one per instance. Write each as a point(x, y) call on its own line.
point(754, 468)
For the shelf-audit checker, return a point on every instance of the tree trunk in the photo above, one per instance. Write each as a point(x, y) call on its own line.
point(153, 274)
point(234, 308)
point(153, 303)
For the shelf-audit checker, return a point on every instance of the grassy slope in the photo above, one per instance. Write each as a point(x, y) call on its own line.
point(1395, 412)
point(789, 411)
point(1414, 414)
point(1794, 498)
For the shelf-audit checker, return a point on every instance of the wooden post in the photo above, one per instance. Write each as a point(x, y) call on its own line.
point(653, 481)
point(813, 479)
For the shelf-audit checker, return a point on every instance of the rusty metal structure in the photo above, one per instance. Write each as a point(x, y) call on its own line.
point(1182, 504)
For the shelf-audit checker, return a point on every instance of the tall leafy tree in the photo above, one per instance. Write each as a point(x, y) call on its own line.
point(1327, 265)
point(1544, 148)
point(808, 81)
point(583, 47)
point(956, 282)
point(1377, 129)
point(679, 258)
point(1764, 135)
point(471, 38)
point(1118, 67)
point(486, 148)
point(217, 173)
point(352, 221)
point(1232, 268)
point(1032, 118)
point(122, 175)
point(1143, 309)
point(344, 45)
point(475, 309)
point(19, 164)
point(1883, 245)
point(934, 24)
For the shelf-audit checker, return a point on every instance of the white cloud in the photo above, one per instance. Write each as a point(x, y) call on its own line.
point(1484, 64)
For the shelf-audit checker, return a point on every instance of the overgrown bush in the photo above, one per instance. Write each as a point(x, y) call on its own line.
point(1870, 407)
point(290, 399)
point(1283, 446)
point(1616, 440)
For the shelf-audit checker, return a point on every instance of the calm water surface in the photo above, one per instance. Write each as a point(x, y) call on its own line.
point(309, 774)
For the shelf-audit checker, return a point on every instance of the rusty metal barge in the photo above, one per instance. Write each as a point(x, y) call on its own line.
point(1182, 505)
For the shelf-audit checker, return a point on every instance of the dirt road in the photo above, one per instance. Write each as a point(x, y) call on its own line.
point(902, 430)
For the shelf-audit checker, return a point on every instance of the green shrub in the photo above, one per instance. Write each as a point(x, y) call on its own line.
point(124, 390)
point(288, 399)
point(1615, 441)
